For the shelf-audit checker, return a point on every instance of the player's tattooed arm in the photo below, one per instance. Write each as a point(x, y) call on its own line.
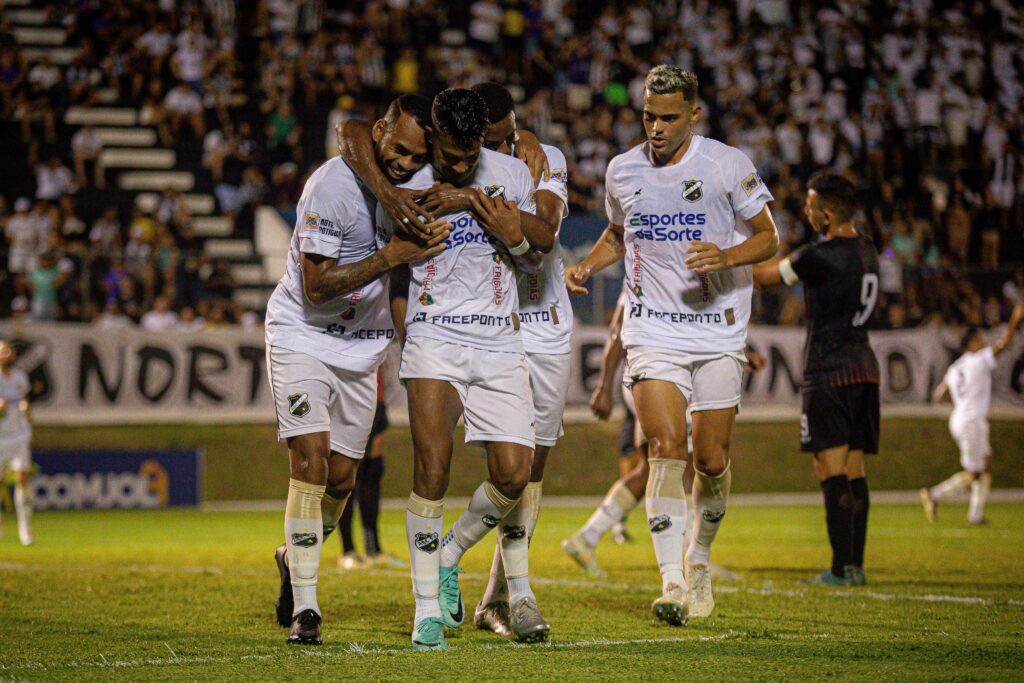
point(1006, 338)
point(603, 398)
point(707, 257)
point(609, 249)
point(528, 150)
point(355, 142)
point(323, 280)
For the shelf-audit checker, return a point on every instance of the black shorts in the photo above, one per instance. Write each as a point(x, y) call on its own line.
point(627, 434)
point(380, 420)
point(839, 416)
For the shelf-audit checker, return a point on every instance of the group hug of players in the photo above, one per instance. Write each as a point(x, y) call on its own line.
point(439, 225)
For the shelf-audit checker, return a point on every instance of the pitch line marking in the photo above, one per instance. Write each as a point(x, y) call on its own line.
point(766, 589)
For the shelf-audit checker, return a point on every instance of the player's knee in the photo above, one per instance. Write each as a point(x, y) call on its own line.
point(307, 458)
point(511, 480)
point(667, 447)
point(431, 478)
point(712, 460)
point(340, 485)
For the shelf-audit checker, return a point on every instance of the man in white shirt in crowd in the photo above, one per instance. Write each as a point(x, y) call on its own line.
point(161, 318)
point(86, 146)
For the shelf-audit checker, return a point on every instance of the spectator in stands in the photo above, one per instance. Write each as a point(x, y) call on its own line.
point(23, 240)
point(55, 181)
point(44, 281)
point(154, 112)
point(42, 97)
point(161, 318)
point(188, 321)
point(184, 108)
point(105, 235)
point(86, 147)
point(221, 283)
point(112, 318)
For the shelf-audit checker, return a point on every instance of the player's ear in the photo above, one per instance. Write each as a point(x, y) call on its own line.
point(378, 130)
point(695, 113)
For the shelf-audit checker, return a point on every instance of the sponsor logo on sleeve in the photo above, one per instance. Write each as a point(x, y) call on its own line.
point(312, 222)
point(751, 183)
point(559, 175)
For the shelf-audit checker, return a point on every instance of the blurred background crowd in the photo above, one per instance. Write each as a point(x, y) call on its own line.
point(919, 102)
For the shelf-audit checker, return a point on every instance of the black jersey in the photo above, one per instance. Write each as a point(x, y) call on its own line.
point(840, 279)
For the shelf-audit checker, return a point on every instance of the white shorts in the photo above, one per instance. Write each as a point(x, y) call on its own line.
point(21, 262)
point(311, 396)
point(971, 436)
point(493, 386)
point(15, 455)
point(549, 381)
point(708, 381)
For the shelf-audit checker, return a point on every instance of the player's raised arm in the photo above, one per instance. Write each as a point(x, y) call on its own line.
point(528, 150)
point(1006, 338)
point(323, 280)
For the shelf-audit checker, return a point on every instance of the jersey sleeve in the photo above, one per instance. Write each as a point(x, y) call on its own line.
point(322, 222)
point(557, 181)
point(747, 192)
point(525, 194)
point(612, 203)
point(988, 358)
point(806, 263)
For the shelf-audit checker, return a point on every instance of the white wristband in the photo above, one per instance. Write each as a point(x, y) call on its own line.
point(520, 248)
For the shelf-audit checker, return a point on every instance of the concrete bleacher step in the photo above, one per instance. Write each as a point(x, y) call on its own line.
point(134, 157)
point(26, 17)
point(106, 95)
point(39, 35)
point(253, 297)
point(127, 137)
point(62, 56)
point(101, 116)
point(17, 3)
point(213, 226)
point(237, 249)
point(248, 274)
point(198, 205)
point(156, 180)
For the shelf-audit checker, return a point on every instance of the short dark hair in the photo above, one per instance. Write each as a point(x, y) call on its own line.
point(416, 106)
point(461, 115)
point(970, 334)
point(836, 192)
point(497, 98)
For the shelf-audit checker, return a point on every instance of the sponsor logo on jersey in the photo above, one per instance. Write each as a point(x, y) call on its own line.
point(304, 539)
point(495, 191)
point(349, 313)
point(692, 190)
point(466, 230)
point(312, 221)
point(490, 521)
point(639, 291)
point(661, 227)
point(751, 183)
point(426, 299)
point(634, 310)
point(638, 192)
point(559, 175)
point(659, 523)
point(427, 542)
point(514, 532)
point(298, 404)
point(712, 515)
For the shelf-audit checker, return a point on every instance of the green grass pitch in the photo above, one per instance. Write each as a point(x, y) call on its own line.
point(187, 595)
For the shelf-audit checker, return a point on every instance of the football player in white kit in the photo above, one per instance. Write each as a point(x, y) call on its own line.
point(327, 328)
point(968, 382)
point(16, 437)
point(673, 204)
point(546, 318)
point(463, 356)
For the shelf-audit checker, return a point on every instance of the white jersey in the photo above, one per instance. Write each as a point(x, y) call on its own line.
point(334, 219)
point(14, 426)
point(544, 307)
point(467, 295)
point(663, 209)
point(970, 384)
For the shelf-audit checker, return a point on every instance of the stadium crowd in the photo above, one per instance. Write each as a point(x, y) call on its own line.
point(917, 101)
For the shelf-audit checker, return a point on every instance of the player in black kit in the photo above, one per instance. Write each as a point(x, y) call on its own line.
point(839, 420)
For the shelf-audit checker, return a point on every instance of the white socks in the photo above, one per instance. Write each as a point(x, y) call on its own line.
point(612, 510)
point(979, 494)
point(709, 498)
point(23, 508)
point(955, 485)
point(666, 516)
point(330, 511)
point(424, 522)
point(486, 509)
point(514, 542)
point(303, 534)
